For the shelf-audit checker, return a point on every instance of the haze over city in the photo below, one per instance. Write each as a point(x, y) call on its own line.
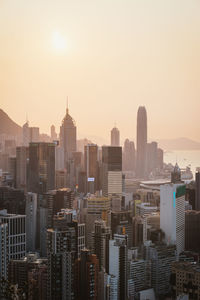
point(108, 57)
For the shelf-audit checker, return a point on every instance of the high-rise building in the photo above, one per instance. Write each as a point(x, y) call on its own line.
point(97, 209)
point(160, 155)
point(34, 134)
point(118, 263)
point(30, 274)
point(64, 243)
point(185, 280)
point(87, 269)
point(161, 257)
point(115, 137)
point(101, 237)
point(31, 221)
point(68, 137)
point(25, 133)
point(129, 156)
point(152, 152)
point(3, 250)
point(197, 196)
point(172, 211)
point(41, 176)
point(22, 159)
point(53, 133)
point(16, 234)
point(91, 167)
point(192, 229)
point(112, 174)
point(122, 221)
point(13, 200)
point(141, 142)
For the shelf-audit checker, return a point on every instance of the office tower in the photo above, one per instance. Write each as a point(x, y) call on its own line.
point(25, 133)
point(22, 159)
point(61, 179)
point(30, 274)
point(192, 229)
point(152, 152)
point(115, 137)
point(41, 167)
point(13, 200)
point(139, 276)
point(197, 196)
point(31, 221)
point(91, 167)
point(112, 174)
point(185, 280)
point(12, 170)
point(160, 155)
point(101, 237)
point(129, 156)
point(68, 137)
point(78, 166)
point(172, 211)
point(59, 158)
point(118, 263)
point(139, 230)
point(122, 221)
point(53, 133)
point(34, 134)
point(16, 234)
point(161, 257)
point(3, 250)
point(87, 268)
point(64, 243)
point(141, 142)
point(97, 209)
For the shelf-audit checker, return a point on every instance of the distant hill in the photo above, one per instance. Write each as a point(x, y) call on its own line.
point(8, 126)
point(178, 144)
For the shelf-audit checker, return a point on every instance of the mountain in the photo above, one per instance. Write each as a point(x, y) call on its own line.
point(178, 144)
point(8, 126)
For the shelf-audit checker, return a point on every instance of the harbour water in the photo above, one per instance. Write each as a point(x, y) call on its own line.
point(183, 158)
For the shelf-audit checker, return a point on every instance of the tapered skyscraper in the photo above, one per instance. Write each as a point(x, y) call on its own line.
point(115, 137)
point(68, 137)
point(141, 142)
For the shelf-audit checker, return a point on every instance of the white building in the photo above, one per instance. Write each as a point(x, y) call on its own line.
point(16, 234)
point(3, 250)
point(31, 221)
point(172, 214)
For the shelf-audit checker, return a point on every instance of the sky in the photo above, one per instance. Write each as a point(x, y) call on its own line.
point(109, 57)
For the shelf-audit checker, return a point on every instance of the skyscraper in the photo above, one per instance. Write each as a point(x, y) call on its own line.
point(22, 158)
point(68, 137)
point(41, 167)
point(53, 133)
point(172, 211)
point(141, 142)
point(197, 196)
point(129, 156)
point(115, 137)
point(91, 167)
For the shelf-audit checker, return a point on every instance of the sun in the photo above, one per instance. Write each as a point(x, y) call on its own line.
point(58, 41)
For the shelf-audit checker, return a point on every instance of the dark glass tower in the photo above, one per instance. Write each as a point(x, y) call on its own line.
point(141, 142)
point(41, 177)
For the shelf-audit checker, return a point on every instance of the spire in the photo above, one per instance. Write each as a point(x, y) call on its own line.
point(67, 107)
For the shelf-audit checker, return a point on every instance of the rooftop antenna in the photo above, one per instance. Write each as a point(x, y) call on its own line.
point(67, 107)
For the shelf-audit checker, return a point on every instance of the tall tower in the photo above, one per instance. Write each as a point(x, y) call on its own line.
point(68, 137)
point(115, 137)
point(41, 174)
point(172, 211)
point(141, 141)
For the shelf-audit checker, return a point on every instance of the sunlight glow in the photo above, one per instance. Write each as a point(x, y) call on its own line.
point(59, 42)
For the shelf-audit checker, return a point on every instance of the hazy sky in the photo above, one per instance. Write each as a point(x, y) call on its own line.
point(109, 57)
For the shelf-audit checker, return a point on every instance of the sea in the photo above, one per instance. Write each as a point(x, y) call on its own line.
point(184, 159)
